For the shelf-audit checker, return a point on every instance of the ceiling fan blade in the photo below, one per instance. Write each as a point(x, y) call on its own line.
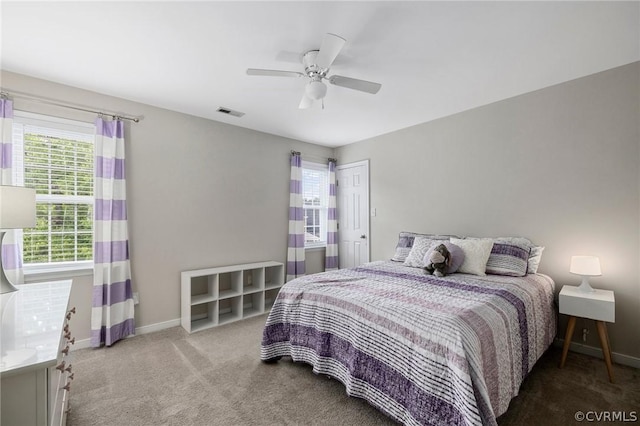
point(355, 84)
point(331, 46)
point(305, 102)
point(273, 73)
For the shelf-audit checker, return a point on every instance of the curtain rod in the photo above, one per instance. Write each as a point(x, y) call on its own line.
point(15, 94)
point(313, 156)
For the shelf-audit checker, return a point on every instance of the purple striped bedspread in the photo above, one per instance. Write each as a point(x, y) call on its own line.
point(424, 350)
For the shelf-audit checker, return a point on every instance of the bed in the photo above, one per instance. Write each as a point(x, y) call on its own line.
point(425, 350)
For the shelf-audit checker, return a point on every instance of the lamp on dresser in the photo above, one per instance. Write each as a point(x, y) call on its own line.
point(17, 211)
point(586, 266)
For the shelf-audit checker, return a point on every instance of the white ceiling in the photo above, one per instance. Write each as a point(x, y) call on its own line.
point(433, 59)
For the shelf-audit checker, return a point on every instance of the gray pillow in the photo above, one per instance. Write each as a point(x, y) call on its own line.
point(535, 255)
point(509, 259)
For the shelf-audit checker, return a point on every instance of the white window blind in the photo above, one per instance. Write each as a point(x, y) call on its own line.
point(55, 157)
point(315, 198)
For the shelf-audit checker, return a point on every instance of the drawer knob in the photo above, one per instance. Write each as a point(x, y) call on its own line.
point(67, 387)
point(71, 376)
point(72, 341)
point(60, 366)
point(68, 368)
point(66, 328)
point(65, 350)
point(67, 335)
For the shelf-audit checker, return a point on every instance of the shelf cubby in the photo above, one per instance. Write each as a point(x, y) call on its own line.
point(230, 284)
point(220, 295)
point(204, 315)
point(270, 298)
point(204, 289)
point(252, 304)
point(253, 280)
point(273, 276)
point(230, 310)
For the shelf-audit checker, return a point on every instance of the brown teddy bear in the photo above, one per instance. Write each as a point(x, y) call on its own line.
point(438, 261)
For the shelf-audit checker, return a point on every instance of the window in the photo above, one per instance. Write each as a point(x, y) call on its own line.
point(55, 157)
point(315, 201)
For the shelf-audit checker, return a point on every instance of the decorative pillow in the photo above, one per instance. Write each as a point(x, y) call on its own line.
point(421, 245)
point(514, 240)
point(508, 259)
point(534, 259)
point(476, 253)
point(405, 243)
point(457, 256)
point(535, 254)
point(403, 248)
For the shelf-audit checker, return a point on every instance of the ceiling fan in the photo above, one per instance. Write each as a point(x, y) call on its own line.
point(316, 67)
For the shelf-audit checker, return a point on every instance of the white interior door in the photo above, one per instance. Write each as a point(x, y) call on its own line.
point(353, 213)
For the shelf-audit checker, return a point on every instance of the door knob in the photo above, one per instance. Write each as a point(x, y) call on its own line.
point(363, 236)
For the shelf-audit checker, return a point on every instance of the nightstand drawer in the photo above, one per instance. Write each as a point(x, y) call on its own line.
point(598, 305)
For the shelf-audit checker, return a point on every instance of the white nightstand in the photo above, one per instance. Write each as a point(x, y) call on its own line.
point(598, 305)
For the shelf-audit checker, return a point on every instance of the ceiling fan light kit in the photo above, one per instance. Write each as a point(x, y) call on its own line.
point(316, 67)
point(316, 89)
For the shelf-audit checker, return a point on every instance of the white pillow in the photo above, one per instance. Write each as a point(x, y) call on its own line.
point(476, 253)
point(534, 259)
point(420, 247)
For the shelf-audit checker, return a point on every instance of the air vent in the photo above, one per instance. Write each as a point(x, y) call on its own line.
point(228, 111)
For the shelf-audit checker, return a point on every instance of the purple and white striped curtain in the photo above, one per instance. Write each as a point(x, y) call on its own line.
point(295, 251)
point(11, 251)
point(331, 256)
point(112, 314)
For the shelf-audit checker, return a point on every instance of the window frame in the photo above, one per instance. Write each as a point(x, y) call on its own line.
point(34, 272)
point(324, 203)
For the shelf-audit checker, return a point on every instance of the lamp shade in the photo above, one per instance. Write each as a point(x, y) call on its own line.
point(585, 266)
point(316, 90)
point(17, 207)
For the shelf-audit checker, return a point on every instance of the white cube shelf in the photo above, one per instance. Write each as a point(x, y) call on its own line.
point(216, 296)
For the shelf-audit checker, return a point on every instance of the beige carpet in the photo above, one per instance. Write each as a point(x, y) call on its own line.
point(215, 377)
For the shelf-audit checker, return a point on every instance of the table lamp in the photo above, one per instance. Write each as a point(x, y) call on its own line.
point(586, 266)
point(17, 211)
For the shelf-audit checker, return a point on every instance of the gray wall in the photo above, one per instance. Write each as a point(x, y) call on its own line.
point(559, 166)
point(200, 194)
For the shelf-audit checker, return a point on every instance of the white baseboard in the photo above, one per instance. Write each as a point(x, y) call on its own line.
point(86, 343)
point(597, 352)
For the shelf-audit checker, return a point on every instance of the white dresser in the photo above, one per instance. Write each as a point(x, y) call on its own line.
point(35, 367)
